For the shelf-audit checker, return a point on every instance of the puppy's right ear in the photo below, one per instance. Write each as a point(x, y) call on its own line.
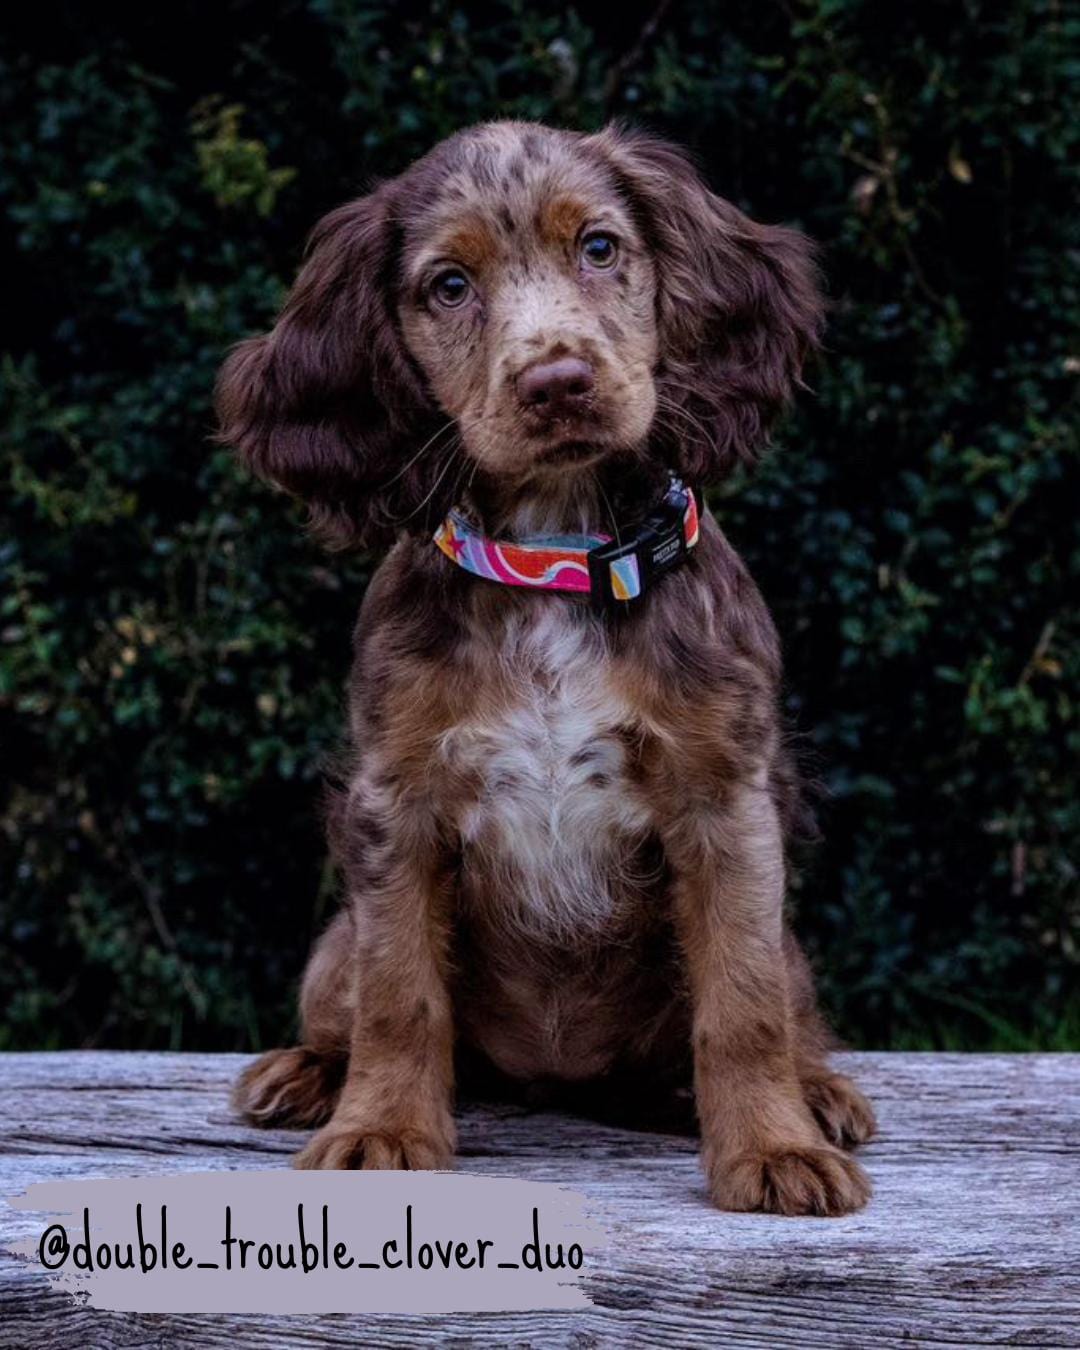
point(327, 404)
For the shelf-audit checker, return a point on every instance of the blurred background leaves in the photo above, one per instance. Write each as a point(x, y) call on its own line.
point(172, 647)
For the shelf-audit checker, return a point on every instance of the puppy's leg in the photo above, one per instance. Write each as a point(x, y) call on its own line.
point(394, 1109)
point(761, 1146)
point(298, 1088)
point(844, 1114)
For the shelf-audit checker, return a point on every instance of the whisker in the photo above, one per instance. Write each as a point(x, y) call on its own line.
point(446, 426)
point(400, 520)
point(611, 513)
point(670, 406)
point(462, 469)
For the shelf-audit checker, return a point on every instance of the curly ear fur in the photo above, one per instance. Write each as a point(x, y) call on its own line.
point(739, 306)
point(328, 403)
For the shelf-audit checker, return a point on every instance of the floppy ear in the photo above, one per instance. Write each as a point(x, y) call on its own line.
point(739, 307)
point(328, 404)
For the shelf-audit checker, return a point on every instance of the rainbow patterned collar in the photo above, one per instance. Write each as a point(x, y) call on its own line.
point(596, 565)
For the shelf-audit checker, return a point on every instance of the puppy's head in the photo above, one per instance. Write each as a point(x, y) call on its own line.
point(524, 302)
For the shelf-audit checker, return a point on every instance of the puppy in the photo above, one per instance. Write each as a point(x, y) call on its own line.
point(562, 824)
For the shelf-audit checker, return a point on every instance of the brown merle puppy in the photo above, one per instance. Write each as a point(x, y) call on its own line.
point(562, 830)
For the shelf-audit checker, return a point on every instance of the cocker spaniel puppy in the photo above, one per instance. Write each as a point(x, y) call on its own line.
point(562, 825)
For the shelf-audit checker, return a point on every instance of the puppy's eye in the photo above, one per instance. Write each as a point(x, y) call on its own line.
point(599, 250)
point(451, 288)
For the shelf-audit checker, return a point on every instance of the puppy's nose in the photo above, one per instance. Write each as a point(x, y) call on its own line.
point(556, 388)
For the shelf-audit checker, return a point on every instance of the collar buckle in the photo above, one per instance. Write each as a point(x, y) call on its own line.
point(624, 570)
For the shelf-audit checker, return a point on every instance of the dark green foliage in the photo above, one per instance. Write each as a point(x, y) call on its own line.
point(172, 647)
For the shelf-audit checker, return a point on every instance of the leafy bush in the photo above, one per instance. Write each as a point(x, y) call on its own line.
point(172, 647)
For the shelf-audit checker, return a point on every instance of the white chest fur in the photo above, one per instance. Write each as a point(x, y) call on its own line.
point(550, 838)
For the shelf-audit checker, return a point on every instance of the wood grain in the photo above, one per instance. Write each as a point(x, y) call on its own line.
point(972, 1238)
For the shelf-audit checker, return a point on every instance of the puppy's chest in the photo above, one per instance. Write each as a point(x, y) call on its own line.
point(554, 816)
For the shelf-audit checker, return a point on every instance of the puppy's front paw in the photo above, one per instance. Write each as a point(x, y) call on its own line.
point(796, 1180)
point(845, 1116)
point(296, 1088)
point(346, 1148)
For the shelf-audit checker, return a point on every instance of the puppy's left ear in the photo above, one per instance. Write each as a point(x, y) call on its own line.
point(739, 306)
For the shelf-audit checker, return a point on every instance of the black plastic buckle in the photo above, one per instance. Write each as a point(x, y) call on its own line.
point(658, 543)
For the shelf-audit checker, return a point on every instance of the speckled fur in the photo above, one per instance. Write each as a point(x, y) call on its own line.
point(561, 834)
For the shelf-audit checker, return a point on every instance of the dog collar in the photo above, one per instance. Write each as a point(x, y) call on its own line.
point(596, 565)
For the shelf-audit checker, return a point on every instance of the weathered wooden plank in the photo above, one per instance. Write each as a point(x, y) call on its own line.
point(971, 1239)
